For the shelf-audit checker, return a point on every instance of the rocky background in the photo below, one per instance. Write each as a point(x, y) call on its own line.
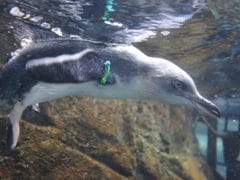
point(89, 138)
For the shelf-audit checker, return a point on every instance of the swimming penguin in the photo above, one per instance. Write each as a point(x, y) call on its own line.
point(52, 69)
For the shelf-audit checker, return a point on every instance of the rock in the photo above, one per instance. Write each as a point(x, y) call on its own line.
point(109, 139)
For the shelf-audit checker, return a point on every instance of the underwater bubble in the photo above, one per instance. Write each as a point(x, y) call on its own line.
point(117, 24)
point(36, 19)
point(15, 11)
point(27, 16)
point(57, 31)
point(45, 25)
point(26, 42)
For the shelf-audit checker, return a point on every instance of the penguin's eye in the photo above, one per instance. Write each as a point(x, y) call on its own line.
point(177, 84)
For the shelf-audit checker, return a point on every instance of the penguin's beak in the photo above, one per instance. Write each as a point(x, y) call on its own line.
point(205, 104)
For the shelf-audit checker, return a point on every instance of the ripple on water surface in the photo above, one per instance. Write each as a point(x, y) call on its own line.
point(120, 21)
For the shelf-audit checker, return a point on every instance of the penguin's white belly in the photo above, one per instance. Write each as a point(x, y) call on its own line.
point(43, 92)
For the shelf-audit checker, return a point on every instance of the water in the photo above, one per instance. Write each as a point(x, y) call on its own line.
point(119, 20)
point(200, 36)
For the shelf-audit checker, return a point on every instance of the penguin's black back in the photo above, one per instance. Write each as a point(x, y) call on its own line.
point(16, 80)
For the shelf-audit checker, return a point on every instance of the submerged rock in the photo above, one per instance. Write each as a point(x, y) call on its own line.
point(107, 139)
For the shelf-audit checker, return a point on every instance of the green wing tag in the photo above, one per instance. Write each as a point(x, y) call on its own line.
point(104, 78)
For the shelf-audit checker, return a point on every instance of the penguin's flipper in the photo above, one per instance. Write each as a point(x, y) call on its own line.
point(13, 129)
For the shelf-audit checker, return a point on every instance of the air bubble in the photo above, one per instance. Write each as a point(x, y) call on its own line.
point(36, 19)
point(26, 42)
point(15, 11)
point(117, 24)
point(45, 25)
point(27, 16)
point(57, 31)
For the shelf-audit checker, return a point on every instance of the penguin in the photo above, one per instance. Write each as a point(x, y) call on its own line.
point(52, 69)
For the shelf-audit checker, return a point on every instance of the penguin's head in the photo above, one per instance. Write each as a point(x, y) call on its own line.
point(175, 86)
